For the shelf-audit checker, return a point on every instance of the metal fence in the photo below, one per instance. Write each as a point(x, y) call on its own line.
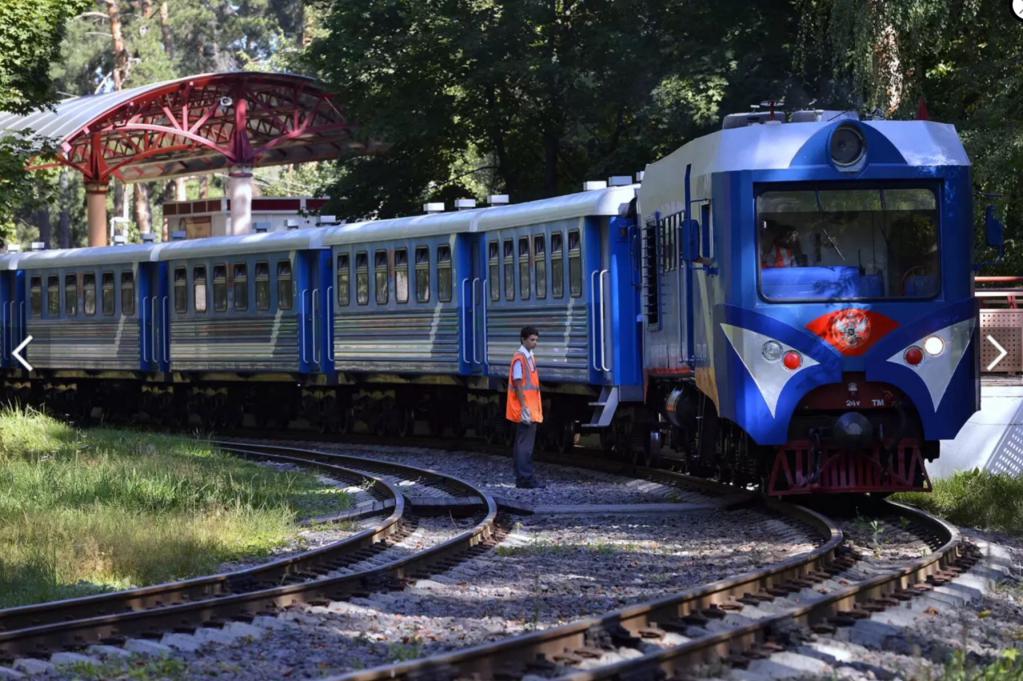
point(1001, 324)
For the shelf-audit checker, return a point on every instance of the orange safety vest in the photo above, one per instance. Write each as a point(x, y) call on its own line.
point(783, 257)
point(530, 390)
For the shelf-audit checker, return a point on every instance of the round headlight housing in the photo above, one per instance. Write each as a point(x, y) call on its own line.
point(934, 345)
point(772, 351)
point(847, 146)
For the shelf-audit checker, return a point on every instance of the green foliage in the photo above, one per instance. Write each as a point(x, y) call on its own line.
point(88, 511)
point(975, 499)
point(540, 95)
point(1008, 667)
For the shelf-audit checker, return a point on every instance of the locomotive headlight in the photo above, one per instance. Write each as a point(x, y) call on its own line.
point(934, 345)
point(847, 146)
point(772, 351)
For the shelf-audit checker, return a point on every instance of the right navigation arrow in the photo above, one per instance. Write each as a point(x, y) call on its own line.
point(1002, 352)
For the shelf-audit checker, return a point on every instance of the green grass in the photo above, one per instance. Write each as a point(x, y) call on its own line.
point(96, 510)
point(975, 499)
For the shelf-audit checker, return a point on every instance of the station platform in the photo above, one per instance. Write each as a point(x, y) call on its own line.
point(992, 439)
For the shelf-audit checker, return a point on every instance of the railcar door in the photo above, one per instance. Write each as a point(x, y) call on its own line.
point(314, 309)
point(154, 316)
point(472, 303)
point(12, 315)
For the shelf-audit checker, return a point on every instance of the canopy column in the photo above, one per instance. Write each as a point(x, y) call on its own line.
point(96, 208)
point(241, 199)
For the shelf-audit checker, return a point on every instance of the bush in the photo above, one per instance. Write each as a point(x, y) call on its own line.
point(975, 499)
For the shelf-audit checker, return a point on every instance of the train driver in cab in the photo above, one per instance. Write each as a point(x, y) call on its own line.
point(780, 247)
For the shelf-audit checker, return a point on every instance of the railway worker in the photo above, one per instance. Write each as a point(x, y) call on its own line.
point(524, 407)
point(783, 250)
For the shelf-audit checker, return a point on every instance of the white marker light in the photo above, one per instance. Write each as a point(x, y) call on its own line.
point(934, 345)
point(772, 351)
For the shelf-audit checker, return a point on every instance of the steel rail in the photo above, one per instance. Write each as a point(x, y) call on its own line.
point(217, 608)
point(160, 595)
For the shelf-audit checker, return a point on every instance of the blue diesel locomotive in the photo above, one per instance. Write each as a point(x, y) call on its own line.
point(783, 302)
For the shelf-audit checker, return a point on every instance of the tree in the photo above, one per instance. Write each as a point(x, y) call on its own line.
point(544, 93)
point(30, 36)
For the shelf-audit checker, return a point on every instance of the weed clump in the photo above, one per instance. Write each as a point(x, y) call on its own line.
point(975, 498)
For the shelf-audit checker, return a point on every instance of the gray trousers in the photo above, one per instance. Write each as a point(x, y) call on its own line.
point(522, 454)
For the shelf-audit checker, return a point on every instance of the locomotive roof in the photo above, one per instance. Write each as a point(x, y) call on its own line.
point(765, 147)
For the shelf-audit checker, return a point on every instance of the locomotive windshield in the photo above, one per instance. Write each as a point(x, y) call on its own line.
point(848, 244)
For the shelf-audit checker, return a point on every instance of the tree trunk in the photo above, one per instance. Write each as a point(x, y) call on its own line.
point(120, 53)
point(165, 30)
point(42, 220)
point(64, 226)
point(204, 186)
point(143, 211)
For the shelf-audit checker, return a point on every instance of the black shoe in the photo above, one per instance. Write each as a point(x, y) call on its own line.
point(530, 484)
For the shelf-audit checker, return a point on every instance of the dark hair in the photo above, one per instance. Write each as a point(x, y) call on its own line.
point(528, 331)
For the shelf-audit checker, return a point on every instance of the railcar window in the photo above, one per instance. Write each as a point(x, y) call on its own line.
point(524, 268)
point(362, 278)
point(444, 274)
point(89, 294)
point(557, 266)
point(494, 258)
point(344, 276)
point(509, 270)
point(180, 291)
point(262, 286)
point(848, 244)
point(540, 265)
point(401, 275)
point(127, 293)
point(53, 296)
point(199, 288)
point(705, 224)
point(575, 264)
point(35, 296)
point(423, 274)
point(240, 286)
point(108, 293)
point(381, 278)
point(285, 287)
point(71, 295)
point(220, 288)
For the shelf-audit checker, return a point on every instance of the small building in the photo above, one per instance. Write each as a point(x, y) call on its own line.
point(212, 217)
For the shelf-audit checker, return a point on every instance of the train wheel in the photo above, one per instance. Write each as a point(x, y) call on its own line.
point(652, 449)
point(565, 436)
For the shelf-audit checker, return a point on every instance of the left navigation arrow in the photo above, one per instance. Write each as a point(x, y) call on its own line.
point(17, 353)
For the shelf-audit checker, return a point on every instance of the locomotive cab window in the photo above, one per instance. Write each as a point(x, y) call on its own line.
point(199, 288)
point(557, 265)
point(71, 295)
point(220, 288)
point(494, 259)
point(401, 275)
point(444, 274)
point(285, 287)
point(575, 264)
point(180, 291)
point(423, 274)
point(344, 274)
point(848, 244)
point(262, 283)
point(381, 277)
point(240, 286)
point(524, 268)
point(127, 294)
point(35, 295)
point(53, 296)
point(362, 278)
point(108, 293)
point(89, 293)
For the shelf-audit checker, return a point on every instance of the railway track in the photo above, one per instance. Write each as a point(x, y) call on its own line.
point(733, 620)
point(400, 499)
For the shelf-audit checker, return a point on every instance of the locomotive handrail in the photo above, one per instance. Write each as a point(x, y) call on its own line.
point(301, 325)
point(475, 357)
point(313, 300)
point(464, 323)
point(603, 348)
point(330, 325)
point(486, 346)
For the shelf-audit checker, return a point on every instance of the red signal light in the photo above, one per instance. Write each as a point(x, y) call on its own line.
point(792, 360)
point(914, 355)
